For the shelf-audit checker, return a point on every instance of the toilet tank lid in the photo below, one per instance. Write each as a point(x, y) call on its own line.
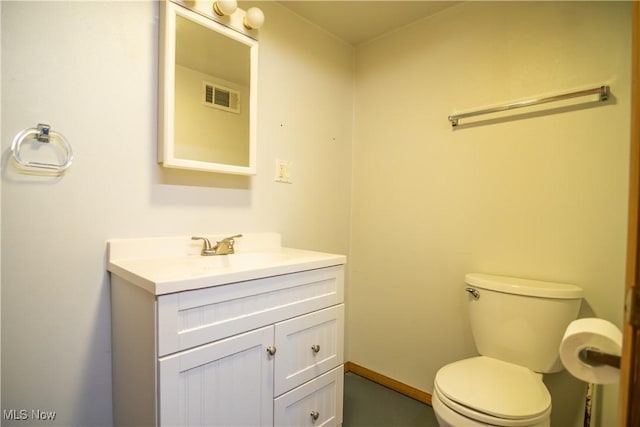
point(515, 285)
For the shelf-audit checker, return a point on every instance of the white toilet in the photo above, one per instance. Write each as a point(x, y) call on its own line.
point(517, 326)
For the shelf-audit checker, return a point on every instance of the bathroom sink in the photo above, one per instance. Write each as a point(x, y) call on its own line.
point(247, 260)
point(166, 265)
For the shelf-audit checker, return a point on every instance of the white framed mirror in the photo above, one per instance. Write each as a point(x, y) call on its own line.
point(208, 93)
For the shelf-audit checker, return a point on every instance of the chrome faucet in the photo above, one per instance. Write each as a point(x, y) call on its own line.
point(223, 247)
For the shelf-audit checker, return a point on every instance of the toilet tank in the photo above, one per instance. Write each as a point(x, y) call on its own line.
point(521, 321)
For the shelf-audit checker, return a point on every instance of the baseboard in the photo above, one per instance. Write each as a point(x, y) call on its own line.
point(407, 390)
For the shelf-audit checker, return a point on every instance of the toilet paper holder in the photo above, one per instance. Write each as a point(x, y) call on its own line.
point(595, 357)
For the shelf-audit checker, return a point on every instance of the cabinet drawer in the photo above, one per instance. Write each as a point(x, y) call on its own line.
point(320, 399)
point(308, 346)
point(189, 319)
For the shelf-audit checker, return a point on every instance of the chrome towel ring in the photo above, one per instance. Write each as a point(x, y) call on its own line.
point(43, 134)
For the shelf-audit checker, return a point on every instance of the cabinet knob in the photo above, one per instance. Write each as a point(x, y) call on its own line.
point(315, 348)
point(315, 415)
point(271, 350)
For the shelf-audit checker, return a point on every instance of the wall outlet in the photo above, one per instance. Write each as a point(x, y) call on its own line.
point(284, 171)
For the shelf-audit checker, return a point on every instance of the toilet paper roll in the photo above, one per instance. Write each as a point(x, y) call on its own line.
point(591, 333)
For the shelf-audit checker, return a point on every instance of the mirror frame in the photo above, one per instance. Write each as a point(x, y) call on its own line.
point(166, 86)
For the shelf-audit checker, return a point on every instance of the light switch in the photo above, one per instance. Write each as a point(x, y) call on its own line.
point(284, 171)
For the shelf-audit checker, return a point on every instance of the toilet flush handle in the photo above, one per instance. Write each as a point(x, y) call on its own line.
point(474, 292)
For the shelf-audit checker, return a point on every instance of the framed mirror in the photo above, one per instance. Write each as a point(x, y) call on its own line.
point(208, 93)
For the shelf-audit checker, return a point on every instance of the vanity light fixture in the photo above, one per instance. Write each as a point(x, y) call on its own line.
point(253, 19)
point(225, 7)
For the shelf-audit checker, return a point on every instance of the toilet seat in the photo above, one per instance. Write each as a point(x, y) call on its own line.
point(493, 391)
point(461, 416)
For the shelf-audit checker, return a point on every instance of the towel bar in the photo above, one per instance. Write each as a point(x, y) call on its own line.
point(602, 91)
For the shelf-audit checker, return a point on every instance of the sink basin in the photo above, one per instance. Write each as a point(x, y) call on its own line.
point(168, 265)
point(241, 260)
point(220, 264)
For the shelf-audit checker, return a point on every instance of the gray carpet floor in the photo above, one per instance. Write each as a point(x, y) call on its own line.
point(367, 404)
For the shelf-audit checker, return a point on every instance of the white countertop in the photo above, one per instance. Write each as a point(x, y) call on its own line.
point(174, 264)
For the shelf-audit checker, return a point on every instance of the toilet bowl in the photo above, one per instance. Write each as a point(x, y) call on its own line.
point(517, 326)
point(482, 391)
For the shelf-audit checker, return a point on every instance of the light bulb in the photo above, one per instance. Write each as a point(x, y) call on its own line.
point(254, 18)
point(225, 7)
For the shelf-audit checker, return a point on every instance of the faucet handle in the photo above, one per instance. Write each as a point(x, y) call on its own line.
point(206, 248)
point(229, 240)
point(225, 246)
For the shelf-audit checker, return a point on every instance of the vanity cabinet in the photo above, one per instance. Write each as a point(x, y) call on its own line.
point(261, 352)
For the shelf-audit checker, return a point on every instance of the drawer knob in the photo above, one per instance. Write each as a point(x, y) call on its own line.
point(271, 350)
point(315, 348)
point(315, 415)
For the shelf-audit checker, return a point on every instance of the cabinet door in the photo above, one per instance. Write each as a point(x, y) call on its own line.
point(308, 346)
point(225, 383)
point(313, 404)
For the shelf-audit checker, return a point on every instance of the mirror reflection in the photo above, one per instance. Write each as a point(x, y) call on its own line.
point(209, 80)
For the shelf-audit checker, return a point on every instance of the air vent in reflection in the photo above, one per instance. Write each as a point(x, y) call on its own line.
point(221, 97)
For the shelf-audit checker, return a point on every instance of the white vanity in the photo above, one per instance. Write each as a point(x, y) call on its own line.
point(249, 339)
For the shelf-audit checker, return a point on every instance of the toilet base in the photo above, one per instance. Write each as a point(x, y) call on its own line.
point(447, 417)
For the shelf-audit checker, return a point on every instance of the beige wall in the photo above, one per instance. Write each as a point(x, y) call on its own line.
point(541, 196)
point(90, 70)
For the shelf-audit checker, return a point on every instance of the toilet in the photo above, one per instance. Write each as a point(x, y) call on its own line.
point(517, 326)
